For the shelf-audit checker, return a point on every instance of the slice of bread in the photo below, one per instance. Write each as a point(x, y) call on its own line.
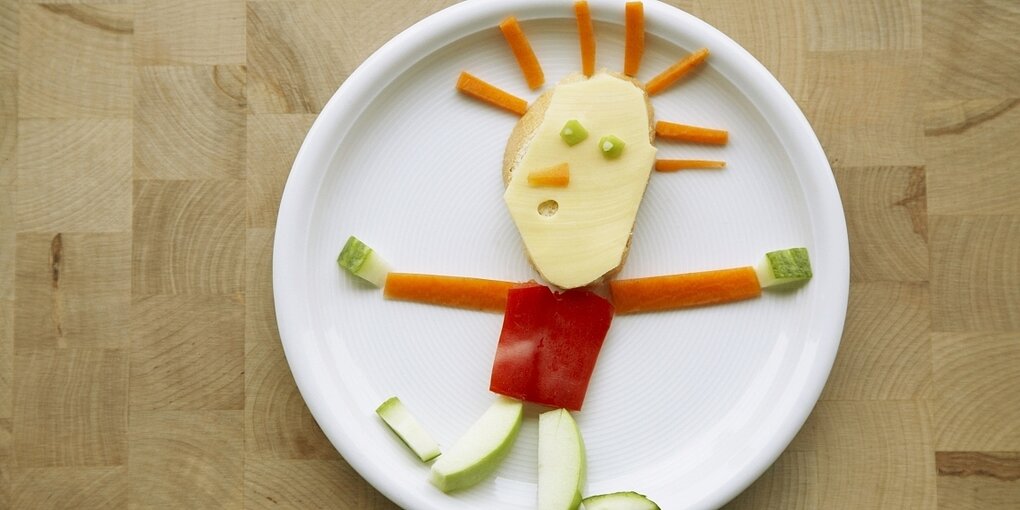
point(524, 131)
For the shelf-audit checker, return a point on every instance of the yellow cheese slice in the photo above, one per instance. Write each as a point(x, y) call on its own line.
point(587, 235)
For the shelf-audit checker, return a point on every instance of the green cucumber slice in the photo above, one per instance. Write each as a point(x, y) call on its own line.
point(362, 261)
point(408, 429)
point(783, 267)
point(618, 501)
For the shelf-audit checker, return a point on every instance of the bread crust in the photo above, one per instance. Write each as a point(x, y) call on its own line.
point(524, 131)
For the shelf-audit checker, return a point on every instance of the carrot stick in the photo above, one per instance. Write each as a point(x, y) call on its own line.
point(522, 52)
point(684, 290)
point(672, 165)
point(635, 29)
point(675, 72)
point(587, 34)
point(686, 133)
point(478, 89)
point(555, 176)
point(455, 291)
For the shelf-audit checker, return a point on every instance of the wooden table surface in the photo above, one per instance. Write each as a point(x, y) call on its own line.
point(143, 149)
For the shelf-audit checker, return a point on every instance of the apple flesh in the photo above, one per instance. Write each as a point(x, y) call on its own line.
point(561, 461)
point(619, 501)
point(481, 449)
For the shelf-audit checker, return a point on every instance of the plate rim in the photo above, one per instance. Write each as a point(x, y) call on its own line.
point(431, 32)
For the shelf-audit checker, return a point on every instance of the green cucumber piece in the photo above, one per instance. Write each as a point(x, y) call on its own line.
point(408, 429)
point(573, 132)
point(783, 267)
point(611, 146)
point(362, 261)
point(618, 501)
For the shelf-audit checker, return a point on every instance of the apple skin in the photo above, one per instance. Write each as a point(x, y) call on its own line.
point(561, 461)
point(481, 449)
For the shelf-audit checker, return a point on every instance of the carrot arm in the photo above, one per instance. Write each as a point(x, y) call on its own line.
point(675, 72)
point(684, 290)
point(525, 56)
point(478, 89)
point(686, 133)
point(635, 29)
point(587, 34)
point(672, 165)
point(455, 291)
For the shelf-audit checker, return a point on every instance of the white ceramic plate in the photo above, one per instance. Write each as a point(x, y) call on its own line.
point(688, 407)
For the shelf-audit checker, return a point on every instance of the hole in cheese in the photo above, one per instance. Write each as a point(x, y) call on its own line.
point(548, 208)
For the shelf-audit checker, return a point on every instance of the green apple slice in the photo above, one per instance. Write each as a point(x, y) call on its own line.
point(362, 261)
point(561, 461)
point(619, 501)
point(408, 429)
point(481, 449)
point(783, 267)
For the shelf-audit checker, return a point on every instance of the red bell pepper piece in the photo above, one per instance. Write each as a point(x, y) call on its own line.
point(549, 344)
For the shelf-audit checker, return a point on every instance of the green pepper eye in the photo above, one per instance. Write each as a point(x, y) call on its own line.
point(611, 146)
point(573, 132)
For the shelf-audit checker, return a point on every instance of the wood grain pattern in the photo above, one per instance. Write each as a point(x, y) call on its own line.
point(9, 36)
point(6, 461)
point(64, 487)
point(886, 350)
point(277, 424)
point(790, 484)
point(969, 48)
point(309, 484)
point(170, 32)
point(188, 237)
point(187, 353)
point(189, 122)
point(77, 181)
point(144, 145)
point(273, 141)
point(975, 264)
point(887, 222)
point(70, 408)
point(868, 105)
point(978, 480)
point(186, 459)
point(977, 406)
point(7, 301)
point(75, 289)
point(972, 156)
point(90, 45)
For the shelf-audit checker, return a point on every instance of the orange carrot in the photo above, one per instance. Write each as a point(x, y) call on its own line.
point(675, 72)
point(522, 52)
point(556, 176)
point(672, 165)
point(635, 29)
point(686, 133)
point(478, 89)
point(456, 291)
point(684, 290)
point(587, 33)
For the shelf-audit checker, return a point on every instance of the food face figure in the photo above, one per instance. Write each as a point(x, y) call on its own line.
point(578, 232)
point(575, 168)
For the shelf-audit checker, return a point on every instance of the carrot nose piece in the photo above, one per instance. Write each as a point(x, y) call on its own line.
point(555, 176)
